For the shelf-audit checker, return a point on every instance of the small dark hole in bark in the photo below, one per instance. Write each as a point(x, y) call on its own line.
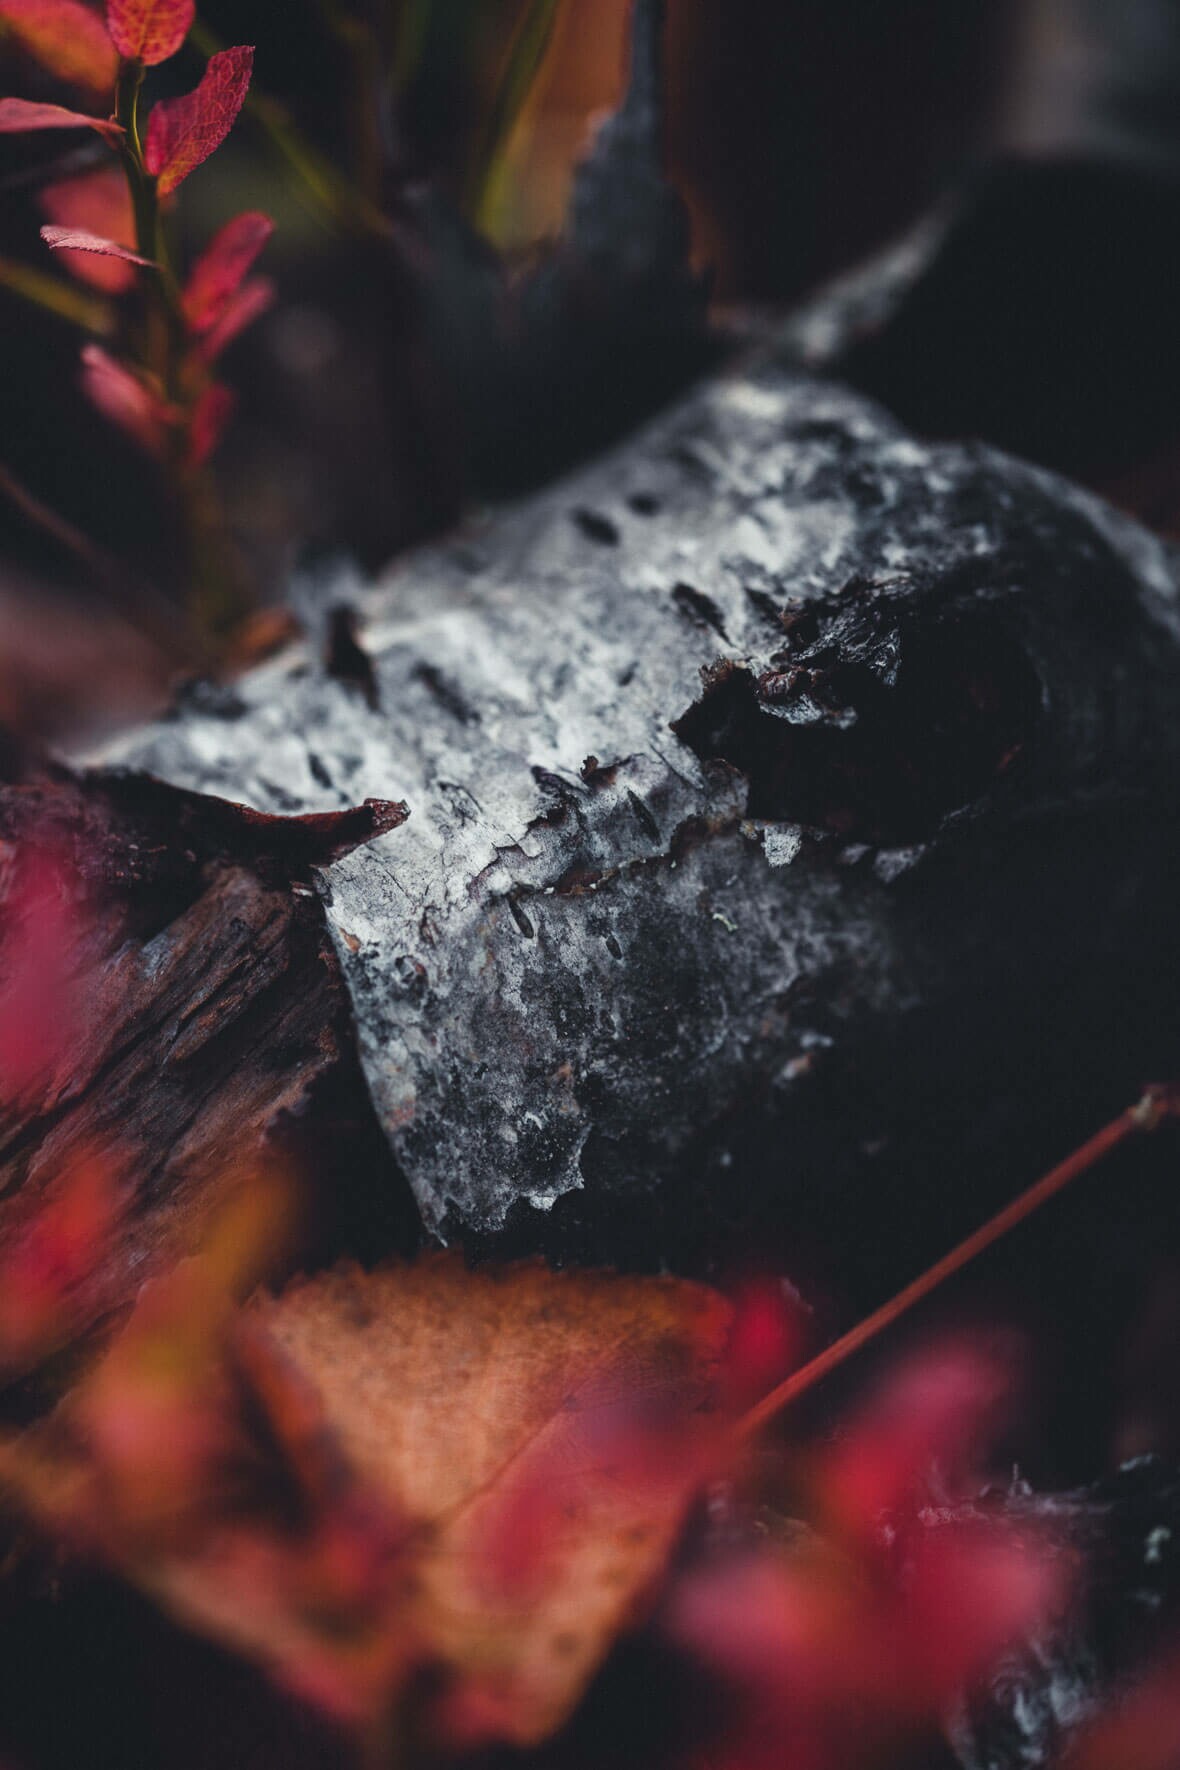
point(597, 527)
point(700, 609)
point(644, 504)
point(522, 921)
point(959, 716)
point(446, 694)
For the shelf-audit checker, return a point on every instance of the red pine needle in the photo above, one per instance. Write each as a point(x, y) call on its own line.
point(1157, 1104)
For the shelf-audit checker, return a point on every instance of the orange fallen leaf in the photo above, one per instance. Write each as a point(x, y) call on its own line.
point(482, 1477)
point(463, 1394)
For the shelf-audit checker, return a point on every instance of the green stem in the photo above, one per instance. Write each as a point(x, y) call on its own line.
point(158, 353)
point(218, 591)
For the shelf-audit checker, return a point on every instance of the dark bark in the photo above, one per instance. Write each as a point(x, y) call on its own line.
point(206, 1032)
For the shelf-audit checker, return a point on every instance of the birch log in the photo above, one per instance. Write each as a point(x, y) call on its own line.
point(791, 817)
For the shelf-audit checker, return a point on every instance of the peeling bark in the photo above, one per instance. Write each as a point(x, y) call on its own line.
point(207, 1031)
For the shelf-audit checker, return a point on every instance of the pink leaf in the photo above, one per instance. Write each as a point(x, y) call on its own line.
point(182, 132)
point(20, 114)
point(100, 203)
point(249, 304)
point(67, 38)
point(78, 239)
point(125, 400)
point(149, 30)
point(214, 410)
point(218, 273)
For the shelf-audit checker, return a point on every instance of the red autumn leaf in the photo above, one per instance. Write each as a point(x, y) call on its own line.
point(765, 1342)
point(838, 1659)
point(100, 203)
point(183, 132)
point(40, 920)
point(250, 303)
point(939, 1407)
point(80, 239)
point(844, 1646)
point(219, 271)
point(127, 401)
point(149, 30)
point(1141, 1733)
point(66, 37)
point(214, 410)
point(20, 115)
point(46, 1265)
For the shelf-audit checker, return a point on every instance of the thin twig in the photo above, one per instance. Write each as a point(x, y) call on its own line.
point(1156, 1105)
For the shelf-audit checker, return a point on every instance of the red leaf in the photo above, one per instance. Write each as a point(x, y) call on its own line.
point(250, 302)
point(47, 1265)
point(39, 920)
point(182, 132)
point(125, 400)
point(218, 273)
point(214, 410)
point(20, 114)
point(67, 38)
point(79, 239)
point(100, 203)
point(149, 30)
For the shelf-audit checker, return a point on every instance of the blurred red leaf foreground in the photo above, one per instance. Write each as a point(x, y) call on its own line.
point(473, 1476)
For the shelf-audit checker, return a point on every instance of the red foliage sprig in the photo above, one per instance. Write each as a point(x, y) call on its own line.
point(160, 389)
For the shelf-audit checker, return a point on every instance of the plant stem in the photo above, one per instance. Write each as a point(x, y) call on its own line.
point(218, 592)
point(1156, 1105)
point(159, 319)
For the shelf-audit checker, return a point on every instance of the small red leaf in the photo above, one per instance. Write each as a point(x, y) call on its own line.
point(125, 400)
point(100, 203)
point(218, 273)
point(249, 304)
point(149, 30)
point(214, 410)
point(67, 38)
point(20, 114)
point(183, 132)
point(79, 239)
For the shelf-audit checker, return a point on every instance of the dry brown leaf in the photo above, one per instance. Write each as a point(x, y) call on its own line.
point(482, 1477)
point(543, 1431)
